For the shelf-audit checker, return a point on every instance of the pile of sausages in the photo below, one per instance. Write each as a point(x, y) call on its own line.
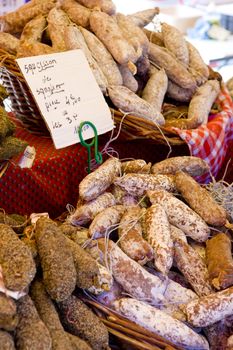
point(163, 239)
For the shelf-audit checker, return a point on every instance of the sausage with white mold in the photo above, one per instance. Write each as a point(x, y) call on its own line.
point(176, 233)
point(200, 200)
point(158, 322)
point(99, 180)
point(158, 235)
point(86, 212)
point(180, 215)
point(139, 184)
point(194, 166)
point(105, 221)
point(209, 309)
point(130, 237)
point(133, 278)
point(192, 267)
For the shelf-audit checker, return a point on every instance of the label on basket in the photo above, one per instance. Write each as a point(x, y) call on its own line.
point(67, 94)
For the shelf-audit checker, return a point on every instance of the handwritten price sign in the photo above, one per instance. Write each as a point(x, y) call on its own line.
point(66, 93)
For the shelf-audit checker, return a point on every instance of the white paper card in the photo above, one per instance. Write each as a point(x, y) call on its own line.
point(67, 94)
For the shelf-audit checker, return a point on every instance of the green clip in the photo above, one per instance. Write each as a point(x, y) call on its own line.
point(94, 142)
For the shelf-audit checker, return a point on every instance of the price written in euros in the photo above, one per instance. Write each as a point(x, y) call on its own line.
point(68, 120)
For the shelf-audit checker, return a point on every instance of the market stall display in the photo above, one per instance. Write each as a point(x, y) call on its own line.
point(138, 73)
point(128, 82)
point(169, 297)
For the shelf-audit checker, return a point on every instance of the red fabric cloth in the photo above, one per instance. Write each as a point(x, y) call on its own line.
point(50, 184)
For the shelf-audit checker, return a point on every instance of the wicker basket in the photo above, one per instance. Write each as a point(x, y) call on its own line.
point(26, 110)
point(134, 128)
point(22, 102)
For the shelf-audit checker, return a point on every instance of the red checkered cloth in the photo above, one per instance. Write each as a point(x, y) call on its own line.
point(210, 141)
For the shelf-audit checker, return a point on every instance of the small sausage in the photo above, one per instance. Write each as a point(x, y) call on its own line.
point(192, 165)
point(105, 221)
point(138, 184)
point(209, 309)
point(14, 22)
point(134, 34)
point(178, 93)
point(27, 49)
point(86, 212)
point(192, 266)
point(181, 216)
point(31, 328)
point(196, 62)
point(99, 180)
point(74, 39)
point(87, 270)
point(217, 335)
point(175, 42)
point(133, 278)
point(81, 321)
point(176, 233)
point(34, 29)
point(107, 30)
point(135, 166)
point(202, 101)
point(9, 43)
point(105, 281)
point(78, 14)
point(219, 261)
point(143, 65)
point(158, 322)
point(154, 37)
point(128, 79)
point(57, 22)
point(200, 200)
point(155, 89)
point(127, 101)
point(17, 265)
point(130, 237)
point(143, 18)
point(49, 316)
point(174, 69)
point(59, 274)
point(103, 57)
point(158, 235)
point(106, 6)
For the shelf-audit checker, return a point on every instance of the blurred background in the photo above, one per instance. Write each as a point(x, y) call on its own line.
point(207, 24)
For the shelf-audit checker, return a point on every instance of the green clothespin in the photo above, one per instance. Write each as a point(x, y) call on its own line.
point(94, 142)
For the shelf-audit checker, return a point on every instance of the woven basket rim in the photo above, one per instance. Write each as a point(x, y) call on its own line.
point(132, 127)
